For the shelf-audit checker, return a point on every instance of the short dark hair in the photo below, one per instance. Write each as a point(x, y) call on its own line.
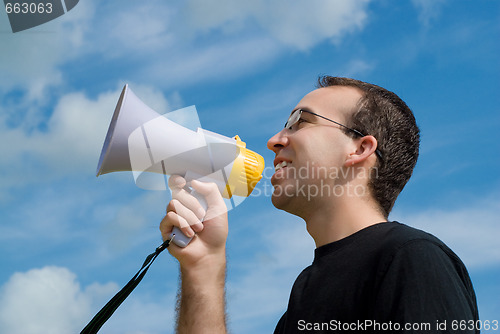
point(382, 114)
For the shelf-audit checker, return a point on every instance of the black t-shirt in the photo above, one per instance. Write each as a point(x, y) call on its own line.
point(386, 278)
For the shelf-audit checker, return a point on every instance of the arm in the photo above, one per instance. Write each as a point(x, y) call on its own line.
point(201, 304)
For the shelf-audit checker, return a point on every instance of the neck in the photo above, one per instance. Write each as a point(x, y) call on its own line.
point(341, 218)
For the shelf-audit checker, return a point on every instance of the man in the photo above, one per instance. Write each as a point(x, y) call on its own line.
point(344, 155)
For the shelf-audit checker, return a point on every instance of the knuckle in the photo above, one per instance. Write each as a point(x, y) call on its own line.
point(182, 223)
point(176, 181)
point(170, 207)
point(175, 204)
point(187, 231)
point(171, 216)
point(198, 227)
point(194, 220)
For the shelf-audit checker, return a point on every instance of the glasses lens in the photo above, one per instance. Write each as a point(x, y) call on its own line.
point(294, 117)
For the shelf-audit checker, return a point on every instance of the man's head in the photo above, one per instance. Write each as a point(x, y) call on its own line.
point(375, 128)
point(385, 116)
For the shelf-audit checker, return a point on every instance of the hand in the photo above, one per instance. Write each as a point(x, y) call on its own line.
point(185, 212)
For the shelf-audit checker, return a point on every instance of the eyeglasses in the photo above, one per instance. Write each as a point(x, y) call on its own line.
point(297, 113)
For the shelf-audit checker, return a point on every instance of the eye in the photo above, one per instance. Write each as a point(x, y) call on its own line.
point(302, 121)
point(297, 124)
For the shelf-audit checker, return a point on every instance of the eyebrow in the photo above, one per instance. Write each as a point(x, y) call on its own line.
point(315, 115)
point(300, 108)
point(306, 111)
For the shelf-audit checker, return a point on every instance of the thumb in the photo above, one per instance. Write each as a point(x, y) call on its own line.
point(211, 193)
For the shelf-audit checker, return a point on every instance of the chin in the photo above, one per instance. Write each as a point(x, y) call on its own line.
point(283, 202)
point(280, 201)
point(276, 201)
point(288, 205)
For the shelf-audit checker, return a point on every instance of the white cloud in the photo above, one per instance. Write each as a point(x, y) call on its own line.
point(356, 67)
point(141, 314)
point(51, 300)
point(71, 141)
point(134, 220)
point(428, 10)
point(300, 25)
point(224, 59)
point(208, 41)
point(48, 300)
point(91, 223)
point(137, 28)
point(30, 59)
point(203, 40)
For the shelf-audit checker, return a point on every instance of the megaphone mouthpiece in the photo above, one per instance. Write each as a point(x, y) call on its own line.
point(130, 113)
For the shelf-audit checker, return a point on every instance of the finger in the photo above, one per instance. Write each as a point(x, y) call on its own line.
point(187, 218)
point(181, 192)
point(176, 182)
point(168, 223)
point(210, 191)
point(190, 202)
point(172, 219)
point(213, 197)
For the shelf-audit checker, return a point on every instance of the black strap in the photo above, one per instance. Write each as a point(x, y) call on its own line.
point(107, 311)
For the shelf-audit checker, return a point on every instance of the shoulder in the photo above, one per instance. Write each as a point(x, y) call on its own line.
point(398, 234)
point(414, 245)
point(403, 240)
point(387, 240)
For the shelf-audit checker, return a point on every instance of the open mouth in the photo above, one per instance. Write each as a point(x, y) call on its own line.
point(280, 165)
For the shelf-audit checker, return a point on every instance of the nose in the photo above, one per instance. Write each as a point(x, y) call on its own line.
point(278, 141)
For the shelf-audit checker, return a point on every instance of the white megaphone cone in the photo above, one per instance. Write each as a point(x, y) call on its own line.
point(142, 141)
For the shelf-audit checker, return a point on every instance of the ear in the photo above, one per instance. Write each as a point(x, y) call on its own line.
point(364, 148)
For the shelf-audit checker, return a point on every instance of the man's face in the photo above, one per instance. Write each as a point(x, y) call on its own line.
point(310, 157)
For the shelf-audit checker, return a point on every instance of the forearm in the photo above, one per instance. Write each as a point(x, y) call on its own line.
point(201, 303)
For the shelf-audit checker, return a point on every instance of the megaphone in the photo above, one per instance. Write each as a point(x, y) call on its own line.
point(151, 146)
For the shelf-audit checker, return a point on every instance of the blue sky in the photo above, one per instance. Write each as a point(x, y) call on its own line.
point(70, 240)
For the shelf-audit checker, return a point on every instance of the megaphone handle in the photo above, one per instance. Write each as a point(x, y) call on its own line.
point(181, 239)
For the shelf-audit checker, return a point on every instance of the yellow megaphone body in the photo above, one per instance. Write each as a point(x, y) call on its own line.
point(152, 146)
